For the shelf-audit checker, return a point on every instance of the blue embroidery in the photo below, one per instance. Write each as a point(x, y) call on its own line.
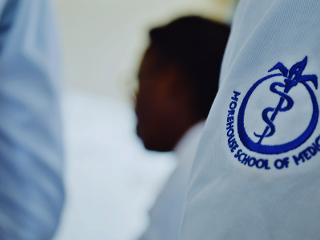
point(291, 78)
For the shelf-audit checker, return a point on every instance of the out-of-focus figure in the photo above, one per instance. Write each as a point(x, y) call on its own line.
point(178, 81)
point(31, 154)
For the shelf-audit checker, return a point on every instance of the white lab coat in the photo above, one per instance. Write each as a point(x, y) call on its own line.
point(166, 214)
point(31, 152)
point(256, 176)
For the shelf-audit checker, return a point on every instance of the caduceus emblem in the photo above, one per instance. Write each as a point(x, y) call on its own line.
point(291, 77)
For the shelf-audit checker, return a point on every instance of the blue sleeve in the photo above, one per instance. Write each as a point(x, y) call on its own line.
point(31, 152)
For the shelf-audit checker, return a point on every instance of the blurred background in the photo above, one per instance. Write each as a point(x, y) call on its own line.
point(111, 180)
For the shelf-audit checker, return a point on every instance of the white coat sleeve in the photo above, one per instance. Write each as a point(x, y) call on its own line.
point(31, 153)
point(256, 174)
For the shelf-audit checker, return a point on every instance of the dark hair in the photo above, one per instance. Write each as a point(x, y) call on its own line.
point(197, 45)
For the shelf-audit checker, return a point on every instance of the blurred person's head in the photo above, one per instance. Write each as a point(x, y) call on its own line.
point(178, 79)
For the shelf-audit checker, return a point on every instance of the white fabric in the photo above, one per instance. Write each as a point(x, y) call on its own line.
point(227, 198)
point(166, 214)
point(31, 146)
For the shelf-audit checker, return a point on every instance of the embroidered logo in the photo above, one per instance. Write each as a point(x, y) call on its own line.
point(267, 122)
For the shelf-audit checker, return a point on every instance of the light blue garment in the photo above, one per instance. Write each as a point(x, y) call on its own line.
point(165, 215)
point(237, 198)
point(31, 154)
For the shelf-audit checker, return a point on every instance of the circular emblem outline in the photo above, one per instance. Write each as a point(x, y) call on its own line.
point(295, 78)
